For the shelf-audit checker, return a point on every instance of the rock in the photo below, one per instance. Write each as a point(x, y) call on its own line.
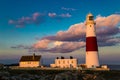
point(66, 76)
point(4, 73)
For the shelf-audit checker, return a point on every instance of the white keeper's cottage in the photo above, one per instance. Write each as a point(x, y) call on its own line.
point(30, 61)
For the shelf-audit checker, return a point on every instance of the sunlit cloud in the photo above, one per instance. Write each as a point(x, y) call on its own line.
point(61, 47)
point(74, 38)
point(58, 43)
point(42, 44)
point(75, 35)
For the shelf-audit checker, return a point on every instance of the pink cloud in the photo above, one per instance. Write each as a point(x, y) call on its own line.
point(36, 18)
point(109, 21)
point(36, 15)
point(63, 48)
point(76, 31)
point(66, 47)
point(42, 44)
point(72, 45)
point(74, 37)
point(52, 14)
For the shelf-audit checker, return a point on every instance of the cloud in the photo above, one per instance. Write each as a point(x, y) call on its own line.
point(58, 43)
point(75, 35)
point(107, 27)
point(68, 9)
point(66, 47)
point(63, 47)
point(76, 32)
point(110, 21)
point(74, 38)
point(21, 46)
point(107, 41)
point(67, 15)
point(59, 16)
point(52, 15)
point(36, 18)
point(42, 44)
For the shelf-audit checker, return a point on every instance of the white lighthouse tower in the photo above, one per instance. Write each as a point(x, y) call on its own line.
point(92, 59)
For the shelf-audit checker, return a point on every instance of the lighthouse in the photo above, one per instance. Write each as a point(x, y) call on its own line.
point(92, 58)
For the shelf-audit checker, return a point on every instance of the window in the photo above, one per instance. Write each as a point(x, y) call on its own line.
point(71, 61)
point(63, 62)
point(58, 62)
point(90, 17)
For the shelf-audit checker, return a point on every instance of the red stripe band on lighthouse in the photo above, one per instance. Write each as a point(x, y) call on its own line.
point(91, 44)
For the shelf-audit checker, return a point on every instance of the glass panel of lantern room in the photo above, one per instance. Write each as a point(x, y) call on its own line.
point(90, 17)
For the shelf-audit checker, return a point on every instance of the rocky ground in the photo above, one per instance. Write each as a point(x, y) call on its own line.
point(58, 75)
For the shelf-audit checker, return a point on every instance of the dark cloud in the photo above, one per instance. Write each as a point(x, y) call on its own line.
point(106, 31)
point(21, 46)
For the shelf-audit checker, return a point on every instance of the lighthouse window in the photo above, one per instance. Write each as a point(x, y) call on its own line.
point(90, 17)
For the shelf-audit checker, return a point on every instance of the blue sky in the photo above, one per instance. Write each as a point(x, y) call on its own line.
point(25, 25)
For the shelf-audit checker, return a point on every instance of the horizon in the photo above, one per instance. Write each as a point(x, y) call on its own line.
point(57, 28)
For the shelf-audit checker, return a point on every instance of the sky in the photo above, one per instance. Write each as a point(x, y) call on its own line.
point(54, 28)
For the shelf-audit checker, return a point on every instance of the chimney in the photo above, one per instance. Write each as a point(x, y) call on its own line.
point(57, 58)
point(62, 57)
point(71, 57)
point(33, 56)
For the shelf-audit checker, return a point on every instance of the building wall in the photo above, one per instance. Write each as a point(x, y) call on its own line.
point(29, 64)
point(65, 63)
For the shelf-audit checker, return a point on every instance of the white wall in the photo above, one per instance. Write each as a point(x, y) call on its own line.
point(29, 64)
point(65, 63)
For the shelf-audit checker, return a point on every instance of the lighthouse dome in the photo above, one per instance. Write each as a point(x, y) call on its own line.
point(90, 19)
point(90, 14)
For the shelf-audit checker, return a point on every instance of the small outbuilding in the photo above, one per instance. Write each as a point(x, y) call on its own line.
point(65, 63)
point(30, 61)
